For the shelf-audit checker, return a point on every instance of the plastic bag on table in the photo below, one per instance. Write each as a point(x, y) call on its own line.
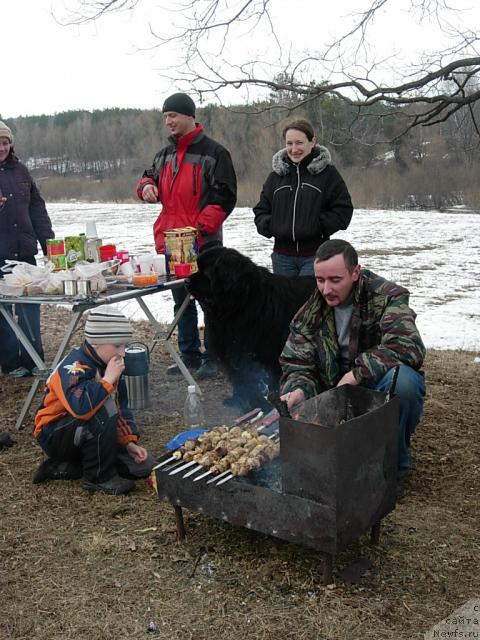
point(26, 272)
point(52, 285)
point(10, 285)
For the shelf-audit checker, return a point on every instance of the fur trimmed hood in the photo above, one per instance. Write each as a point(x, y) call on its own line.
point(281, 164)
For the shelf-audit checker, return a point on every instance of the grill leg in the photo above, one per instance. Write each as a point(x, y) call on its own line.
point(375, 533)
point(181, 533)
point(327, 568)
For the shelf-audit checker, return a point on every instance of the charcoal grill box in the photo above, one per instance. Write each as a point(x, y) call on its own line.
point(341, 451)
point(332, 482)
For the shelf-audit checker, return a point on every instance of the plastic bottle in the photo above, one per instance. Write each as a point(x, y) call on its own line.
point(193, 409)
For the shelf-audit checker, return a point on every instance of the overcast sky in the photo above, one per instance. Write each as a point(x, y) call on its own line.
point(48, 68)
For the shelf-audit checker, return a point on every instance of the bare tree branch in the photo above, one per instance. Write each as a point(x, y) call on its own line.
point(439, 84)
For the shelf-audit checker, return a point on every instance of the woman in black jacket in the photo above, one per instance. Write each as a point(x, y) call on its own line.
point(303, 202)
point(24, 221)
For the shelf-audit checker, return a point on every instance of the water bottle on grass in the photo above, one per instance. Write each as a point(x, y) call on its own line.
point(193, 409)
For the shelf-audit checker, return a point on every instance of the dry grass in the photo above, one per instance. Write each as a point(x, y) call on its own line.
point(95, 567)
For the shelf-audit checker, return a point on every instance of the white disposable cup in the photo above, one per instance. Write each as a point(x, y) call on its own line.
point(158, 263)
point(126, 269)
point(145, 263)
point(91, 229)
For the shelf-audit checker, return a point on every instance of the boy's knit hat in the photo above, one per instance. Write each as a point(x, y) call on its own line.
point(107, 326)
point(180, 103)
point(6, 132)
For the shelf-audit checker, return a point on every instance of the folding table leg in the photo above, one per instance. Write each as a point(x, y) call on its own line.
point(27, 404)
point(72, 325)
point(166, 341)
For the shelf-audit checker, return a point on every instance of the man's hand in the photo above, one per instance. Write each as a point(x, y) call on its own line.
point(150, 193)
point(136, 452)
point(293, 397)
point(348, 378)
point(114, 369)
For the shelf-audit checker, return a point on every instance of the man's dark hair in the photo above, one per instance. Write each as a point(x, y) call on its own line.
point(332, 248)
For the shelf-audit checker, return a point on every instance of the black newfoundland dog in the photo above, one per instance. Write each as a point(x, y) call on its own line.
point(247, 316)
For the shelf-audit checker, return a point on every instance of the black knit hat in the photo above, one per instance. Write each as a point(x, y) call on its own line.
point(180, 103)
point(107, 326)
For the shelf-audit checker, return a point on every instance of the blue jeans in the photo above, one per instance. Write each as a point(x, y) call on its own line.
point(292, 265)
point(12, 352)
point(410, 388)
point(188, 336)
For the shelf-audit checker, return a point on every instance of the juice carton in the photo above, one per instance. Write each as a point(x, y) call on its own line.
point(74, 250)
point(56, 253)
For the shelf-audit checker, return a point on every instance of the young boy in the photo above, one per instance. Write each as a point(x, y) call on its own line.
point(84, 424)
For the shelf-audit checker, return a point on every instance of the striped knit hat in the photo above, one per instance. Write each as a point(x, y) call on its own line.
point(107, 326)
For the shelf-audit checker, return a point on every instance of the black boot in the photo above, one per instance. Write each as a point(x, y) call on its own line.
point(52, 470)
point(114, 486)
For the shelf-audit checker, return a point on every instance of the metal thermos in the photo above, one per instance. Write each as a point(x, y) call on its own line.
point(137, 364)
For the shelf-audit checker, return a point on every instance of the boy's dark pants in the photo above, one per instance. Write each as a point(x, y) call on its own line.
point(91, 445)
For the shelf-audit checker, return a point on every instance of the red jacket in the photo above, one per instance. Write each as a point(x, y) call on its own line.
point(196, 184)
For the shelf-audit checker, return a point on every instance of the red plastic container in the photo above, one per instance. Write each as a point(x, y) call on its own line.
point(107, 252)
point(122, 255)
point(183, 269)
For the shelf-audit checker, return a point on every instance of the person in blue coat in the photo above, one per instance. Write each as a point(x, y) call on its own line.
point(24, 222)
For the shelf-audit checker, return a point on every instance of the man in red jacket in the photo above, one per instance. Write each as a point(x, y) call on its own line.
point(194, 179)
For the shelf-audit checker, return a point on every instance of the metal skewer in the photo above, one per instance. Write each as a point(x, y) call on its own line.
point(182, 467)
point(162, 464)
point(229, 477)
point(204, 475)
point(194, 470)
point(220, 475)
point(247, 416)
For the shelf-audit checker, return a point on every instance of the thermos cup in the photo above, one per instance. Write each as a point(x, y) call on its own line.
point(137, 365)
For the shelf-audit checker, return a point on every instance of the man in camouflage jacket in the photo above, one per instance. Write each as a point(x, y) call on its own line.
point(355, 329)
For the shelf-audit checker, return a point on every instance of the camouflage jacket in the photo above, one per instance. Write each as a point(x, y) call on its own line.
point(382, 334)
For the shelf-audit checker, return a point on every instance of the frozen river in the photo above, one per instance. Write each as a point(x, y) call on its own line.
point(435, 255)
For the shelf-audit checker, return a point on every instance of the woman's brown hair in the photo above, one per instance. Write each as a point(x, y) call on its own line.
point(300, 125)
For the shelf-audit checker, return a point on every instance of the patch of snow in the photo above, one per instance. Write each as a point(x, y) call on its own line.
point(436, 255)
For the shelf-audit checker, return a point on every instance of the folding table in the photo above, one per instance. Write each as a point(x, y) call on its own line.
point(80, 304)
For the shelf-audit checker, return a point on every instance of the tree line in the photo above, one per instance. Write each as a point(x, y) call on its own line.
point(100, 155)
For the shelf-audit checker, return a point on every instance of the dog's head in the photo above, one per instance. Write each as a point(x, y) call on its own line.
point(225, 277)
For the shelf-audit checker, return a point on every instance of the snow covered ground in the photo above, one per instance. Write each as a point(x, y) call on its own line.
point(435, 255)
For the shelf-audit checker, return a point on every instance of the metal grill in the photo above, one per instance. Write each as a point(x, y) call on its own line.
point(334, 480)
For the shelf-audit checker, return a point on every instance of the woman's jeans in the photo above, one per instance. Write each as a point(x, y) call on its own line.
point(12, 352)
point(410, 387)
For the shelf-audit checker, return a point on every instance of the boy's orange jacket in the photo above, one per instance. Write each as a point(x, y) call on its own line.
point(77, 387)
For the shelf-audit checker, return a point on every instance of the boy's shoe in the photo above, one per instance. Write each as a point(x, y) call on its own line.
point(207, 370)
point(114, 486)
point(20, 372)
point(191, 362)
point(52, 470)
